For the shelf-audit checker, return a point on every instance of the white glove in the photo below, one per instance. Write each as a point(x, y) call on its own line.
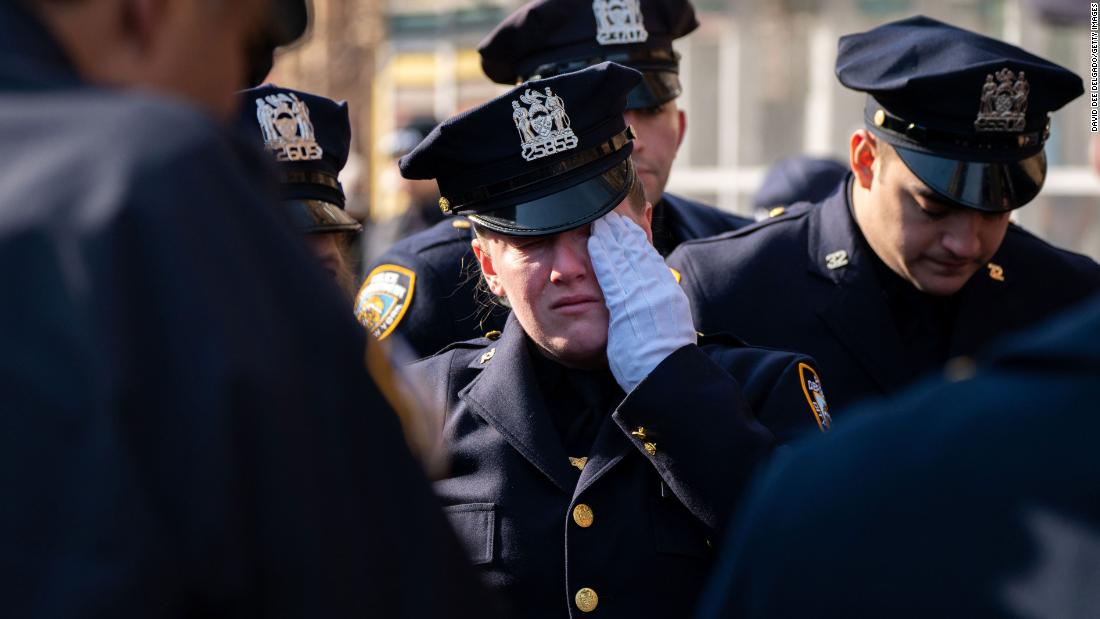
point(650, 316)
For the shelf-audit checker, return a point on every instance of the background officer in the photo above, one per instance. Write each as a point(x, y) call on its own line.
point(796, 179)
point(542, 39)
point(597, 443)
point(913, 261)
point(188, 428)
point(974, 496)
point(309, 137)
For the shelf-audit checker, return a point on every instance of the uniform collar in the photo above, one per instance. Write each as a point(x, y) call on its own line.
point(508, 395)
point(29, 54)
point(837, 250)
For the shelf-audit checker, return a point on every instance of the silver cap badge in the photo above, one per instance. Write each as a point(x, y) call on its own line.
point(287, 129)
point(544, 127)
point(1004, 102)
point(619, 22)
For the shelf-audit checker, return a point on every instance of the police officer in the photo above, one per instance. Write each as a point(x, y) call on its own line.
point(188, 428)
point(309, 137)
point(972, 496)
point(796, 179)
point(913, 261)
point(541, 39)
point(596, 443)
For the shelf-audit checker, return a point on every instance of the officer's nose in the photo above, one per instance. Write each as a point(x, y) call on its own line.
point(963, 236)
point(571, 260)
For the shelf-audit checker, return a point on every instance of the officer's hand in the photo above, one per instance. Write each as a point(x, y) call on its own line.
point(650, 316)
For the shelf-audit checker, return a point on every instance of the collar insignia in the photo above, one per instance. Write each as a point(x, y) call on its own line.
point(1004, 102)
point(544, 127)
point(287, 129)
point(996, 272)
point(619, 22)
point(836, 260)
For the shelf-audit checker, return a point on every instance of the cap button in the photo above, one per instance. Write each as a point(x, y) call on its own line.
point(586, 600)
point(444, 205)
point(880, 117)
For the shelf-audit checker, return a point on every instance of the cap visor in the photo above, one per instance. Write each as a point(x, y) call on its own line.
point(994, 187)
point(656, 88)
point(563, 210)
point(320, 216)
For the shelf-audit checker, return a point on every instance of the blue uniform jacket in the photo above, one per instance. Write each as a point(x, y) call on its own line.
point(977, 497)
point(186, 424)
point(709, 413)
point(771, 284)
point(436, 302)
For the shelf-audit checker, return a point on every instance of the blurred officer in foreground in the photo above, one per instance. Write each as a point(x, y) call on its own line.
point(976, 496)
point(913, 261)
point(309, 136)
point(597, 444)
point(188, 428)
point(796, 179)
point(542, 39)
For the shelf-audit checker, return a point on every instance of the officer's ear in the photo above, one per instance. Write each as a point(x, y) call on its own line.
point(862, 154)
point(480, 246)
point(683, 120)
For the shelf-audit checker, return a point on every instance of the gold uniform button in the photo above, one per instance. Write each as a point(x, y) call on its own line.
point(586, 600)
point(583, 516)
point(777, 211)
point(493, 335)
point(461, 224)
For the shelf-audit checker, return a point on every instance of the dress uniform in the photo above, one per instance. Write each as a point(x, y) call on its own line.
point(829, 294)
point(187, 426)
point(542, 38)
point(581, 490)
point(974, 496)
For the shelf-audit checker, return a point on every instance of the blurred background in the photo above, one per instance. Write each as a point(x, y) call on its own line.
point(758, 80)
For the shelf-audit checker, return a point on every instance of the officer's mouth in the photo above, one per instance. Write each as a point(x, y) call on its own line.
point(575, 304)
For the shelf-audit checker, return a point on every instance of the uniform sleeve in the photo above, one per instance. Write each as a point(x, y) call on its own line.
point(400, 297)
point(691, 419)
point(683, 264)
point(783, 389)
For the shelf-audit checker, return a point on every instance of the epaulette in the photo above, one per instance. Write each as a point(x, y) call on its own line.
point(475, 344)
point(790, 213)
point(725, 339)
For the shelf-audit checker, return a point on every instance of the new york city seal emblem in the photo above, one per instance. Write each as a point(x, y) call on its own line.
point(288, 132)
point(619, 22)
point(544, 127)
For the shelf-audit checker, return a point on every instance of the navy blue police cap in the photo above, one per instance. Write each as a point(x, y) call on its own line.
point(969, 115)
point(544, 38)
point(310, 137)
point(548, 156)
point(798, 179)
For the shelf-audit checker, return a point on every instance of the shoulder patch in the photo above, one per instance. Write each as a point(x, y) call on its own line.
point(815, 396)
point(384, 298)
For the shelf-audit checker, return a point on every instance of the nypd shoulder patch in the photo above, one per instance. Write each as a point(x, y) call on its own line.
point(384, 299)
point(815, 396)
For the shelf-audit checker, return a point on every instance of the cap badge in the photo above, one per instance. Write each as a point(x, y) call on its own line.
point(288, 132)
point(544, 127)
point(1004, 102)
point(619, 22)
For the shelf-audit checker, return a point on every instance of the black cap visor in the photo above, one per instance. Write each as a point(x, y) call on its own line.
point(564, 210)
point(311, 216)
point(656, 88)
point(994, 187)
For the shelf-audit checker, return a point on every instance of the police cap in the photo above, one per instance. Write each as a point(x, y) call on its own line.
point(798, 179)
point(549, 37)
point(968, 114)
point(310, 137)
point(548, 156)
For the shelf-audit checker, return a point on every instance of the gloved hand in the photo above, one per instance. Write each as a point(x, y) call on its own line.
point(650, 317)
